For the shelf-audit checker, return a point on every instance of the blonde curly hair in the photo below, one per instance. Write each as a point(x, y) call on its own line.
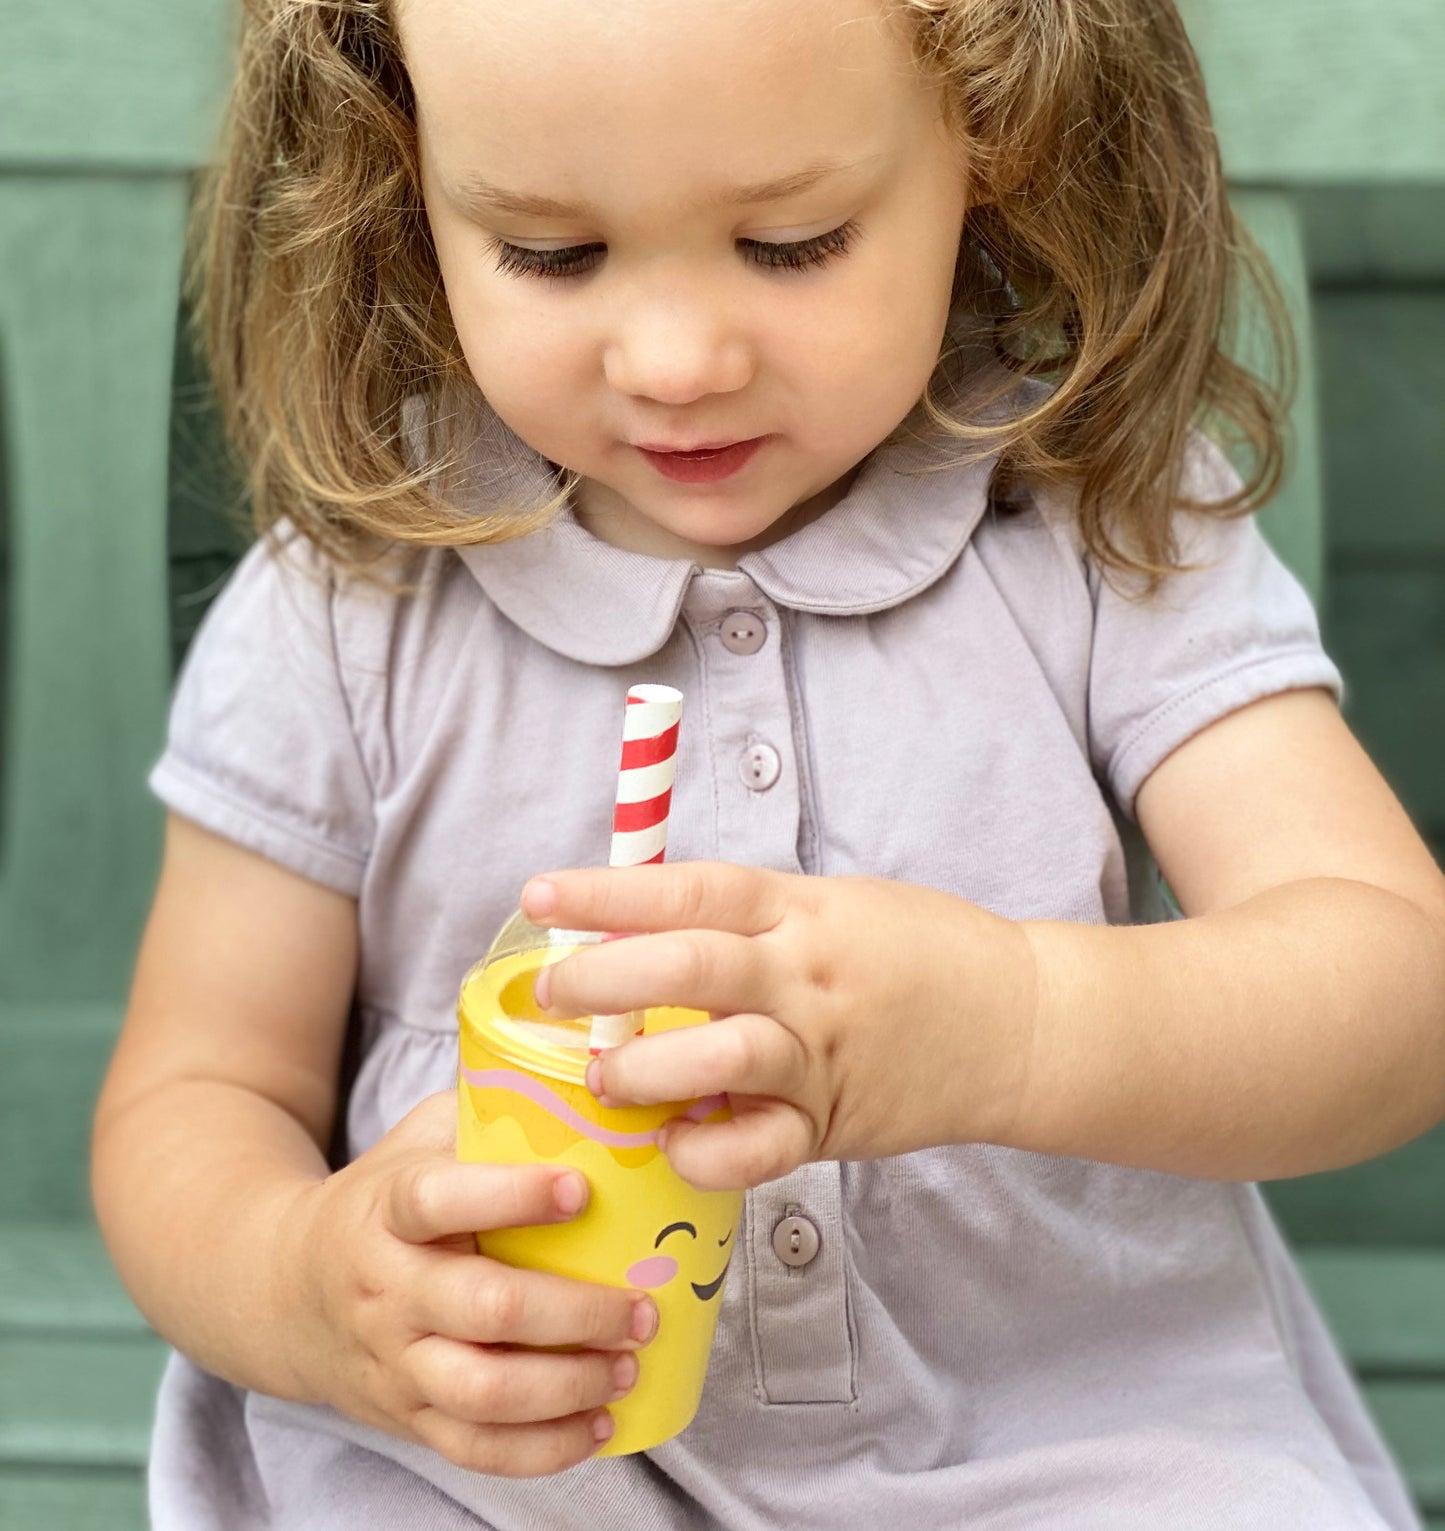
point(1100, 254)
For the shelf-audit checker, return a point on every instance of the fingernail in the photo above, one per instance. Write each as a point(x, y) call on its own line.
point(644, 1320)
point(624, 1374)
point(602, 1427)
point(569, 1192)
point(594, 1076)
point(539, 898)
point(542, 988)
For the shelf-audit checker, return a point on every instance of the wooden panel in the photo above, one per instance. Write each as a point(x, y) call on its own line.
point(1293, 521)
point(1325, 91)
point(56, 1277)
point(207, 500)
point(78, 1375)
point(1411, 1417)
point(70, 1499)
point(1394, 1200)
point(1382, 375)
point(52, 1058)
point(128, 84)
point(88, 277)
point(1386, 1307)
point(1385, 626)
point(85, 1399)
point(1374, 234)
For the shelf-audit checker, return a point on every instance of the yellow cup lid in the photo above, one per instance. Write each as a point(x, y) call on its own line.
point(497, 1007)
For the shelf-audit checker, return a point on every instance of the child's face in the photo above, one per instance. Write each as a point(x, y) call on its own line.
point(672, 332)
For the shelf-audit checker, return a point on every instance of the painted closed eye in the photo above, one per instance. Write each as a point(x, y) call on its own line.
point(577, 260)
point(673, 1228)
point(657, 1270)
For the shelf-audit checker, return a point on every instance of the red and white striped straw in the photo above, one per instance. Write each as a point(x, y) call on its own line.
point(639, 819)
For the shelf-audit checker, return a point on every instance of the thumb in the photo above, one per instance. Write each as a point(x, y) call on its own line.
point(430, 1196)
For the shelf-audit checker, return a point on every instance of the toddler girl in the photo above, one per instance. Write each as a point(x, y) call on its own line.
point(841, 363)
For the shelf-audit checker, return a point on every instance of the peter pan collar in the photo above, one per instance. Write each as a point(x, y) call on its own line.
point(896, 531)
point(900, 527)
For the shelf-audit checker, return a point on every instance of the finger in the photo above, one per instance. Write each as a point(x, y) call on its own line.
point(431, 1197)
point(746, 1054)
point(702, 969)
point(680, 895)
point(513, 1451)
point(481, 1385)
point(765, 1141)
point(487, 1303)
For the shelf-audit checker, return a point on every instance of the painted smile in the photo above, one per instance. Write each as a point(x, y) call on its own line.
point(658, 1270)
point(708, 1292)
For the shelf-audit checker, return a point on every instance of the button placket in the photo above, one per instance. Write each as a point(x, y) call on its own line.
point(750, 725)
point(802, 1340)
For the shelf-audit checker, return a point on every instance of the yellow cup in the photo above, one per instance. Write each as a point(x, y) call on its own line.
point(522, 1099)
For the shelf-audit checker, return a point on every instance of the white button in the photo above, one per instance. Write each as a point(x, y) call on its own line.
point(760, 765)
point(796, 1240)
point(743, 632)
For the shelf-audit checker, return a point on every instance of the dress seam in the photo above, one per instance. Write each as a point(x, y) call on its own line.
point(1140, 736)
point(201, 780)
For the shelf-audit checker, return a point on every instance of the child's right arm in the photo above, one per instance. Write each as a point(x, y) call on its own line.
point(363, 1288)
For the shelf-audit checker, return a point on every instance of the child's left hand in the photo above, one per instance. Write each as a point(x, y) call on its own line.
point(852, 1017)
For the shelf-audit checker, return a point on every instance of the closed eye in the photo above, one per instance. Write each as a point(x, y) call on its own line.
point(575, 260)
point(674, 1228)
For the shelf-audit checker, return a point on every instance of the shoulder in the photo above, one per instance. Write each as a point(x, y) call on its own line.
point(1044, 522)
point(289, 621)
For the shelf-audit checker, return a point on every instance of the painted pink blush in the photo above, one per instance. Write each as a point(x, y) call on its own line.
point(655, 1271)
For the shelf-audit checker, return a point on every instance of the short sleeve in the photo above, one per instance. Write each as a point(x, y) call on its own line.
point(260, 745)
point(1233, 629)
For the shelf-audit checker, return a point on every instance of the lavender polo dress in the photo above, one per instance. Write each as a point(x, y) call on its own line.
point(919, 685)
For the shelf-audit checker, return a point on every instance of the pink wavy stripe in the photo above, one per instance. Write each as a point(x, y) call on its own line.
point(554, 1105)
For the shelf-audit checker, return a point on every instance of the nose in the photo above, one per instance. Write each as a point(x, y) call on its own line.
point(676, 346)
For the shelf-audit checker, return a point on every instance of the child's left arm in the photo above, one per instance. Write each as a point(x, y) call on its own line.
point(1294, 1022)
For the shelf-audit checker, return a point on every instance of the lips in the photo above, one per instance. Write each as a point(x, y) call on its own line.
point(704, 466)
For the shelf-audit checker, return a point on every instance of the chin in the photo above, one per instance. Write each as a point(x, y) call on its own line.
point(730, 536)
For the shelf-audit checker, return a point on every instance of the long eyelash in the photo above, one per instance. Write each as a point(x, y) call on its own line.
point(804, 252)
point(576, 260)
point(549, 264)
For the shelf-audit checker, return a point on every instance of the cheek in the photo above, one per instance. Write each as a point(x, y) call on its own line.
point(656, 1271)
point(531, 377)
point(497, 328)
point(861, 363)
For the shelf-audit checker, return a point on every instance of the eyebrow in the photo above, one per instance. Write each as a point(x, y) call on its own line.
point(478, 192)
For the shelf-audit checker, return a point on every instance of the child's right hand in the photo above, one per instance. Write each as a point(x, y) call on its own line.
point(396, 1320)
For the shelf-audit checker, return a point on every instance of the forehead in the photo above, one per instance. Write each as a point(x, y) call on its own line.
point(599, 102)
